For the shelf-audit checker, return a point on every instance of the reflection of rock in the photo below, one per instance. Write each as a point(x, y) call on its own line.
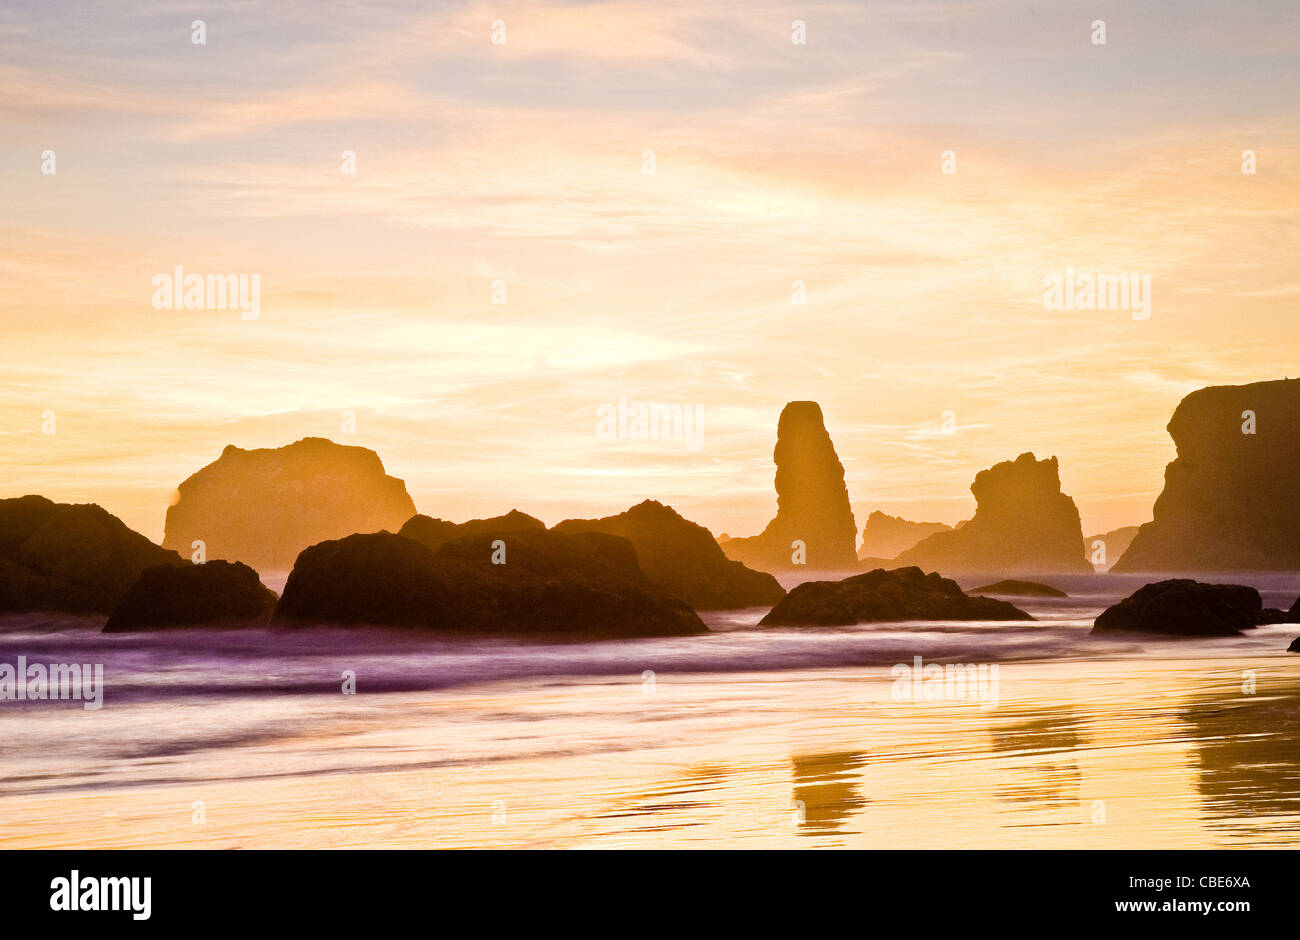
point(683, 558)
point(825, 790)
point(886, 536)
point(434, 533)
point(1231, 500)
point(883, 596)
point(264, 506)
point(1022, 523)
point(76, 558)
point(1113, 544)
point(1042, 749)
point(1011, 588)
point(586, 584)
point(1186, 608)
point(219, 592)
point(812, 501)
point(1248, 764)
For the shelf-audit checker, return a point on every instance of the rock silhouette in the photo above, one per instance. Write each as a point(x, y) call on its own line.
point(886, 536)
point(216, 593)
point(683, 558)
point(263, 507)
point(434, 533)
point(1231, 500)
point(1011, 588)
point(1022, 523)
point(1185, 607)
point(588, 584)
point(885, 596)
point(812, 501)
point(1116, 543)
point(75, 558)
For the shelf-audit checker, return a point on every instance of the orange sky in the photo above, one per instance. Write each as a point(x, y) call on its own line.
point(523, 163)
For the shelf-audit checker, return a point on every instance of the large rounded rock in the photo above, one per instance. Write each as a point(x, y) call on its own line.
point(75, 558)
point(216, 593)
point(376, 578)
point(885, 596)
point(683, 558)
point(522, 581)
point(1185, 607)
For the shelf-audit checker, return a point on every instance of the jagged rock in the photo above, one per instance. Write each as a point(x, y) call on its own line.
point(812, 501)
point(434, 533)
point(1022, 523)
point(216, 593)
point(587, 584)
point(683, 558)
point(886, 536)
point(885, 596)
point(1113, 545)
point(74, 558)
point(263, 507)
point(1231, 500)
point(1011, 588)
point(1185, 607)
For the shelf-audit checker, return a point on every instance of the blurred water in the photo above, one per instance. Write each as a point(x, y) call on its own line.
point(747, 736)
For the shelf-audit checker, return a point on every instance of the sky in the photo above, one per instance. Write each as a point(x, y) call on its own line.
point(520, 171)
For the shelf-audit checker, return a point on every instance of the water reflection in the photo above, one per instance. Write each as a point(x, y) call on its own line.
point(1248, 765)
point(1044, 770)
point(825, 790)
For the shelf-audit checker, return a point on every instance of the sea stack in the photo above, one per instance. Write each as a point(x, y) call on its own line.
point(811, 498)
point(886, 536)
point(1231, 500)
point(1023, 523)
point(263, 507)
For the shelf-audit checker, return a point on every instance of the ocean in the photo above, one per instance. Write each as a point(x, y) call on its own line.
point(746, 737)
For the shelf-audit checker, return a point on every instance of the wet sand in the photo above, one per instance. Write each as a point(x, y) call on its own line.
point(1159, 750)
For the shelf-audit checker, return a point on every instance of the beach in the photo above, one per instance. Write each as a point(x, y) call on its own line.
point(745, 738)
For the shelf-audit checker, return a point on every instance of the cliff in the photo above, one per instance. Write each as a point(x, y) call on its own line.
point(1231, 500)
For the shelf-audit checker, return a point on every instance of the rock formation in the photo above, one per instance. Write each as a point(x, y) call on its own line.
point(434, 533)
point(886, 536)
point(216, 593)
point(1231, 500)
point(1011, 588)
point(885, 596)
point(1022, 523)
point(683, 558)
point(263, 507)
point(1113, 546)
point(812, 501)
point(587, 584)
point(1186, 608)
point(75, 558)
